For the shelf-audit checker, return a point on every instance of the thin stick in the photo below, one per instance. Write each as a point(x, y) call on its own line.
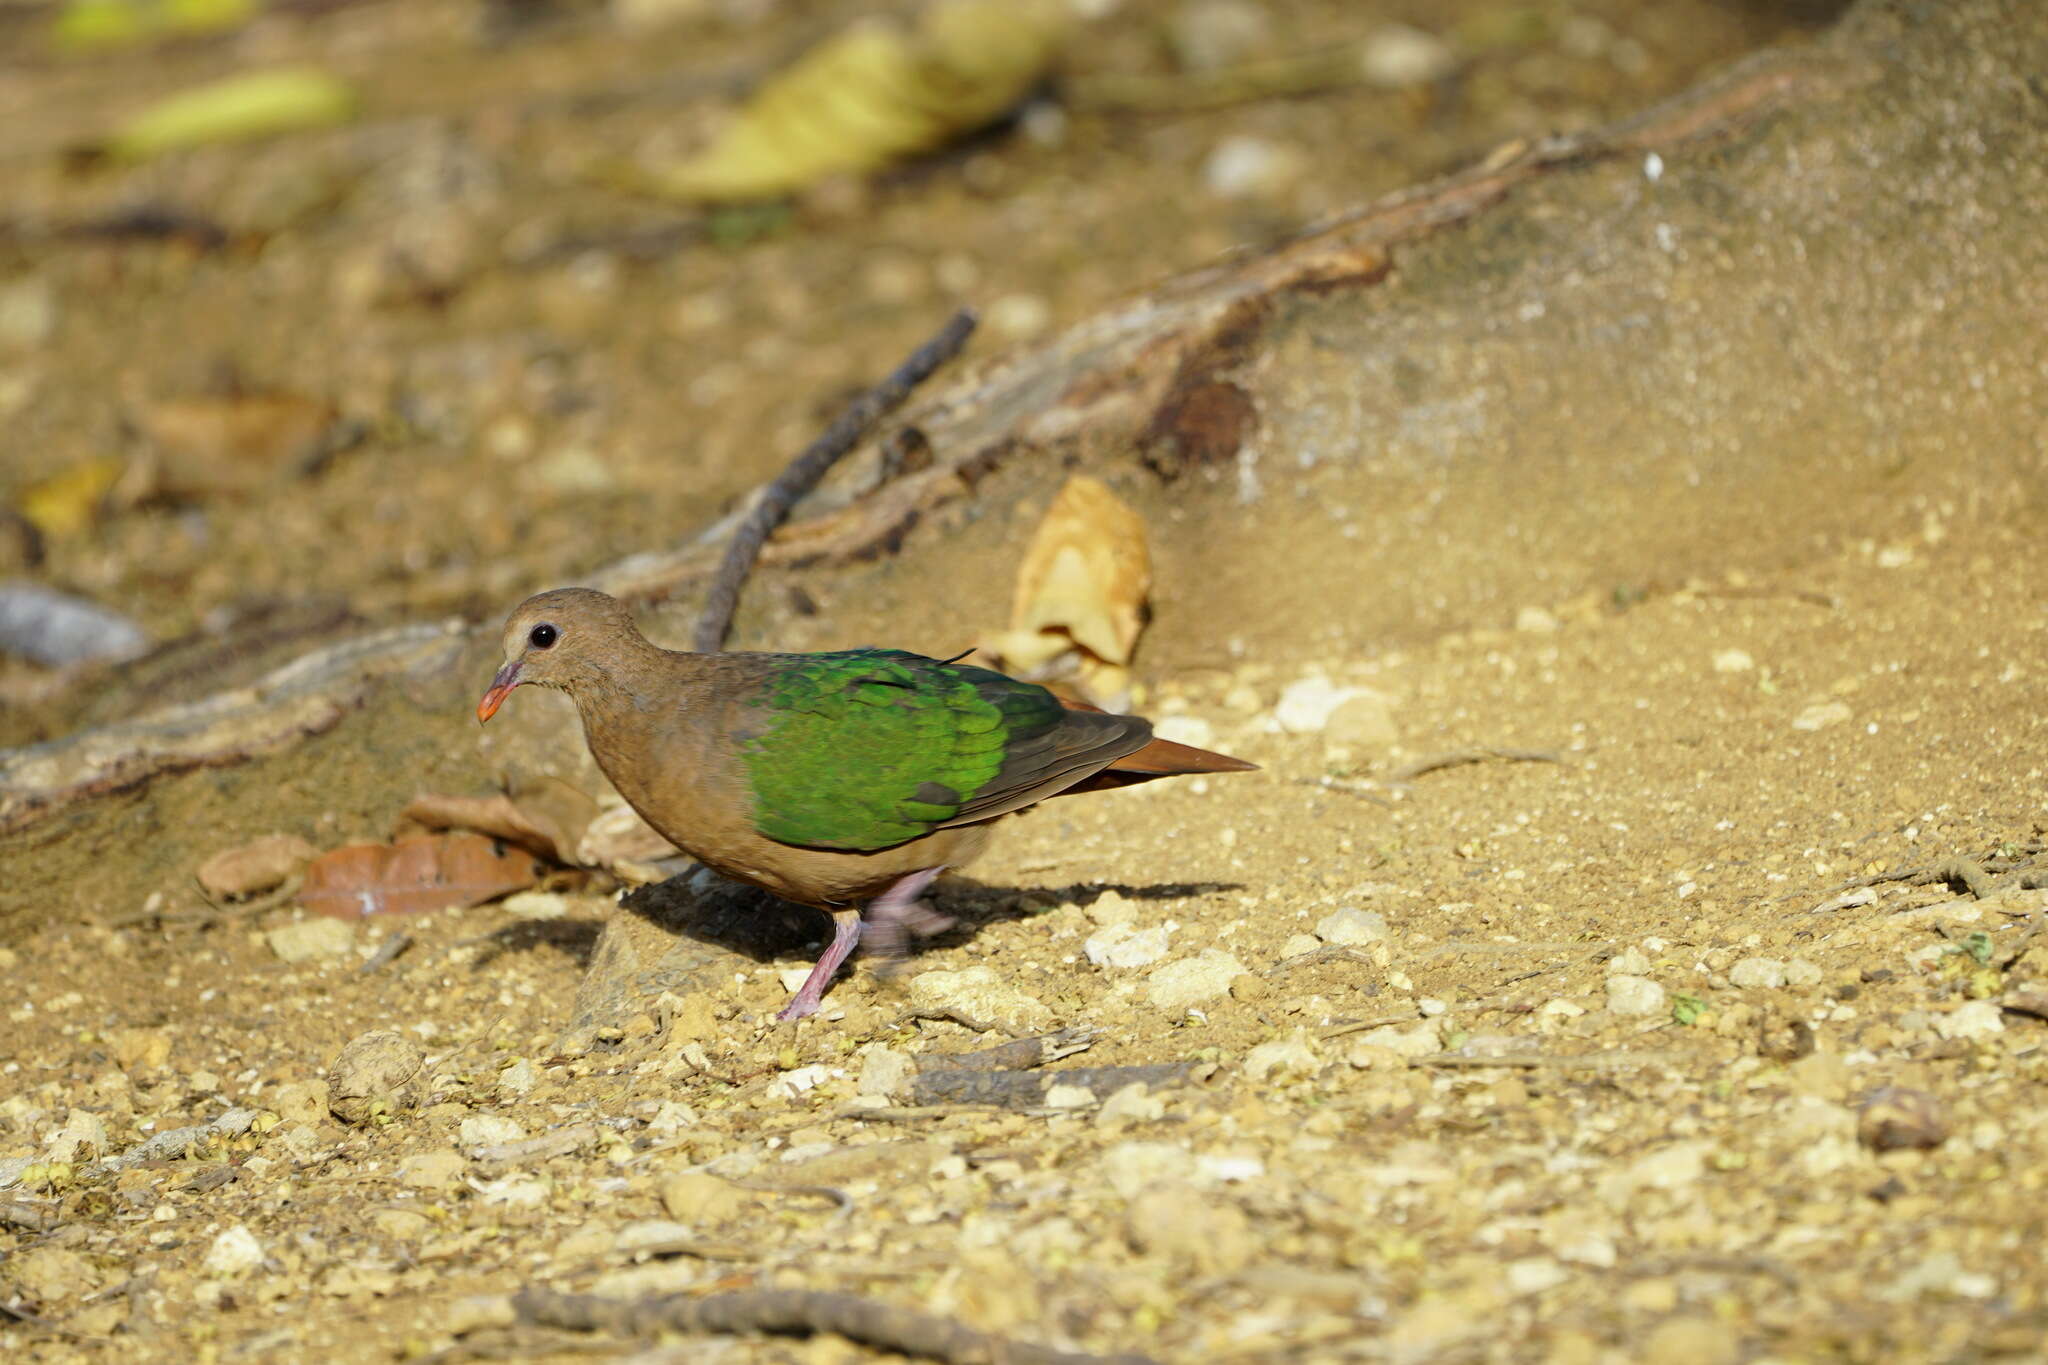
point(776, 500)
point(787, 1312)
point(1458, 758)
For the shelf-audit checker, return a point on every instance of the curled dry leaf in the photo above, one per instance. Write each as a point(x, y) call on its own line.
point(875, 94)
point(547, 816)
point(234, 443)
point(254, 867)
point(410, 876)
point(1081, 589)
point(626, 845)
point(68, 502)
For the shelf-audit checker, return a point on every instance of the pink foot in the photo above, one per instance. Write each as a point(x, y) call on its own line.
point(845, 933)
point(889, 919)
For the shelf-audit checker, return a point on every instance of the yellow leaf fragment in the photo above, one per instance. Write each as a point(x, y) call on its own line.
point(258, 104)
point(67, 502)
point(1081, 588)
point(873, 95)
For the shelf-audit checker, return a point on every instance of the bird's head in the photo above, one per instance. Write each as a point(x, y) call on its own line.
point(558, 639)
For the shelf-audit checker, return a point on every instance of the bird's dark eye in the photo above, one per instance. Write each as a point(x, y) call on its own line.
point(542, 636)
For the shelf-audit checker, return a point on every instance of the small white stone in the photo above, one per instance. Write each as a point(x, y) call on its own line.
point(791, 1084)
point(884, 1072)
point(1298, 944)
point(1019, 317)
point(516, 1191)
point(1534, 1274)
point(536, 904)
point(1977, 1019)
point(1800, 972)
point(309, 940)
point(792, 978)
point(1733, 661)
point(1131, 1166)
point(1757, 973)
point(1351, 927)
point(1821, 715)
point(489, 1130)
point(1629, 962)
point(980, 994)
point(1122, 946)
point(1069, 1097)
point(673, 1116)
point(1294, 1055)
point(1419, 1040)
point(1190, 981)
point(519, 1078)
point(1432, 1008)
point(1186, 730)
point(1397, 55)
point(1245, 167)
point(1535, 621)
point(1133, 1103)
point(1635, 996)
point(1305, 705)
point(1226, 1168)
point(234, 1253)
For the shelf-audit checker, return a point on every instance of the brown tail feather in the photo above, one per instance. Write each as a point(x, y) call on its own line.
point(1159, 758)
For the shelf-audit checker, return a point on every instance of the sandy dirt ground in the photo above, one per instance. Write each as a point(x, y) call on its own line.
point(1645, 976)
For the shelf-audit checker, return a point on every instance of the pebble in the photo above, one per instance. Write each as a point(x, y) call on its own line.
point(1120, 945)
point(698, 1197)
point(885, 1073)
point(82, 1138)
point(1634, 996)
point(1186, 730)
point(1133, 1103)
point(1196, 1230)
point(519, 1078)
point(1534, 1274)
point(1940, 1274)
point(1397, 55)
point(1535, 621)
point(799, 1080)
point(516, 1191)
point(234, 1253)
point(1190, 981)
point(1800, 972)
point(1418, 1040)
point(1299, 944)
point(1019, 317)
point(402, 1225)
point(536, 904)
point(51, 1274)
point(1133, 1166)
point(1058, 1096)
point(379, 1072)
point(1629, 962)
point(1246, 167)
point(1977, 1019)
point(431, 1170)
point(1757, 973)
point(489, 1130)
point(573, 469)
point(28, 313)
point(1351, 927)
point(1208, 35)
point(1895, 1118)
point(980, 994)
point(1112, 907)
point(1733, 661)
point(1305, 706)
point(1691, 1340)
point(1364, 722)
point(298, 1101)
point(310, 940)
point(1821, 715)
point(1668, 1168)
point(1294, 1055)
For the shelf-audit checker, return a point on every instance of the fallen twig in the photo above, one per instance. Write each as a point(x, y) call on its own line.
point(786, 1312)
point(169, 1146)
point(387, 952)
point(773, 504)
point(1536, 1061)
point(1458, 758)
point(30, 1215)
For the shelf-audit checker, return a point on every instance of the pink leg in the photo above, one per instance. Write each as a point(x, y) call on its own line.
point(888, 917)
point(845, 933)
point(898, 913)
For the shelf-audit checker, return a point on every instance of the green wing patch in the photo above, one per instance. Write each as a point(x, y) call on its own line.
point(869, 747)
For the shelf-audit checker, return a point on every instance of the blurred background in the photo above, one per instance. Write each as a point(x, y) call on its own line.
point(321, 310)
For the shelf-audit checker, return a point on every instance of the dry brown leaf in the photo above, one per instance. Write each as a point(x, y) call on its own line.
point(433, 872)
point(256, 866)
point(1082, 587)
point(620, 841)
point(236, 443)
point(547, 816)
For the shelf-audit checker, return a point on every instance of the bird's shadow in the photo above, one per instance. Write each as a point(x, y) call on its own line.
point(710, 909)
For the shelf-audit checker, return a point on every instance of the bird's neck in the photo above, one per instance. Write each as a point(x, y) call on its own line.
point(644, 696)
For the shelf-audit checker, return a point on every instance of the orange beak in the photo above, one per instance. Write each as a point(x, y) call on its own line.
point(501, 688)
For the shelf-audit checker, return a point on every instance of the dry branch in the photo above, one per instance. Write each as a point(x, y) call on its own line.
point(794, 1313)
